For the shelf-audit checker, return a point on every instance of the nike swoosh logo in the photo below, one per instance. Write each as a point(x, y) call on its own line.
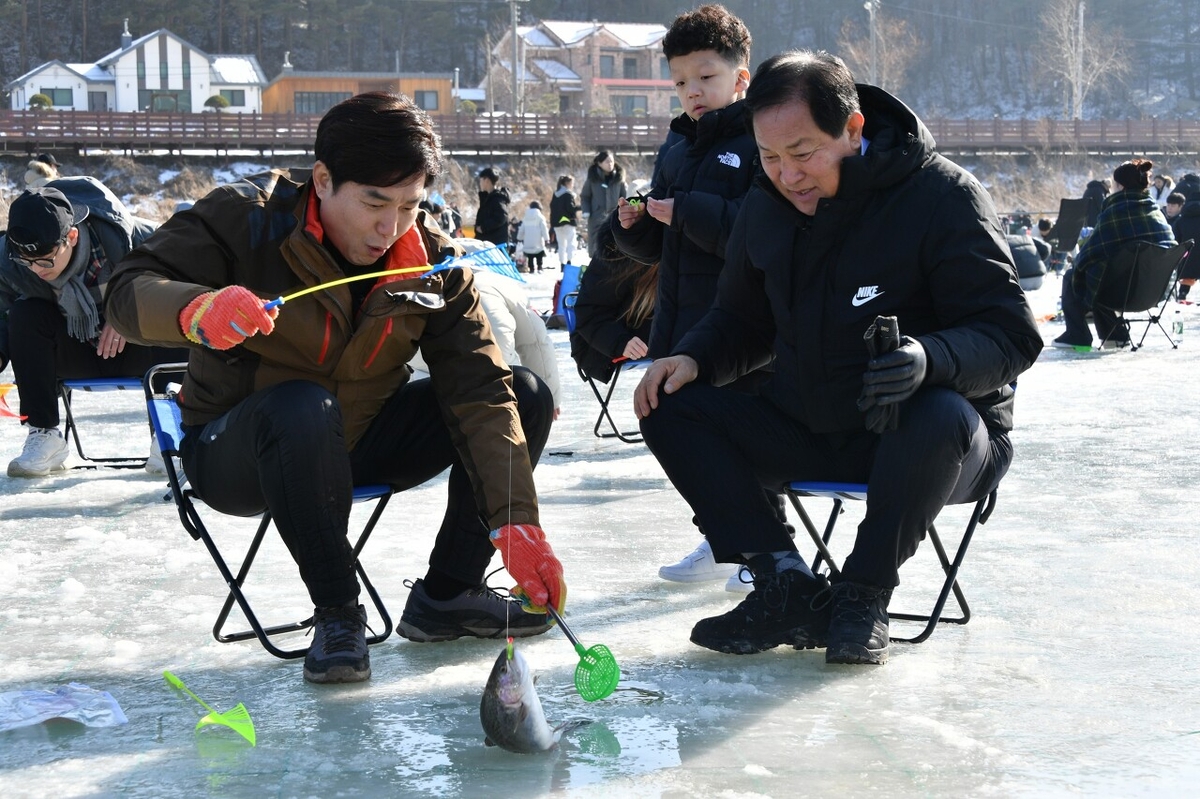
point(857, 301)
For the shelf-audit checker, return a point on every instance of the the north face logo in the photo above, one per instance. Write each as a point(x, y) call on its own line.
point(730, 159)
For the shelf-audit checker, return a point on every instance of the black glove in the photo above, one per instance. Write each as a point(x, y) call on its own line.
point(894, 373)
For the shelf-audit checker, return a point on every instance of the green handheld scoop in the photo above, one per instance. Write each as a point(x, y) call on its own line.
point(597, 673)
point(237, 719)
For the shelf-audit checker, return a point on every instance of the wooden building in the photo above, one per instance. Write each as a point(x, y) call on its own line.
point(294, 91)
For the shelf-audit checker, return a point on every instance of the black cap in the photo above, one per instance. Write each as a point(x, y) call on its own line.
point(39, 220)
point(47, 158)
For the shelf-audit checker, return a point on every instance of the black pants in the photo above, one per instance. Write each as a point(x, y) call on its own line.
point(282, 449)
point(722, 448)
point(43, 352)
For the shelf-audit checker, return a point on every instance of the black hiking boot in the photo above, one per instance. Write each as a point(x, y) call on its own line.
point(477, 613)
point(858, 631)
point(785, 608)
point(338, 652)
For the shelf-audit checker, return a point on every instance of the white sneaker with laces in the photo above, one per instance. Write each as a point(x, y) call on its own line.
point(742, 581)
point(154, 463)
point(697, 566)
point(45, 451)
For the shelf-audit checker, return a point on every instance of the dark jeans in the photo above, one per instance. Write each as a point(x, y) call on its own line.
point(1075, 316)
point(535, 260)
point(282, 449)
point(722, 448)
point(43, 352)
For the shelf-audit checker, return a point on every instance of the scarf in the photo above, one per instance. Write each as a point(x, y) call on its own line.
point(74, 299)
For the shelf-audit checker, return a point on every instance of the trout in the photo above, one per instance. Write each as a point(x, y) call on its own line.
point(511, 712)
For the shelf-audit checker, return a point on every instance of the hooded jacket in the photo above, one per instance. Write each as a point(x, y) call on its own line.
point(564, 207)
point(707, 172)
point(535, 233)
point(600, 194)
point(1187, 226)
point(264, 233)
point(908, 234)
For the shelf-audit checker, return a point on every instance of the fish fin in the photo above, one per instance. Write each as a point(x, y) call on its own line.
point(569, 726)
point(487, 741)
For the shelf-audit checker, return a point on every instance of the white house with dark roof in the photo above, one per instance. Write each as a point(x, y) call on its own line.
point(589, 67)
point(157, 72)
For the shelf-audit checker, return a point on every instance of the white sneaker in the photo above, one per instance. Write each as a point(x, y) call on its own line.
point(742, 582)
point(45, 451)
point(154, 463)
point(697, 566)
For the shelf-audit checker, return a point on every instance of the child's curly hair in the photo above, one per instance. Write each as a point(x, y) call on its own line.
point(709, 27)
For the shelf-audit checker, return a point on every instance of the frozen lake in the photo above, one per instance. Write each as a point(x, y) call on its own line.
point(1072, 678)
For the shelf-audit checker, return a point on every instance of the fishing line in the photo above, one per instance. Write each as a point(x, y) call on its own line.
point(508, 546)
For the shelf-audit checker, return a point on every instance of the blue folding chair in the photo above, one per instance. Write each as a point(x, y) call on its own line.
point(161, 386)
point(841, 493)
point(604, 397)
point(71, 427)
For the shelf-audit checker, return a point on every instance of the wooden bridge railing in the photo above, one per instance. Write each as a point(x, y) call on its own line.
point(29, 131)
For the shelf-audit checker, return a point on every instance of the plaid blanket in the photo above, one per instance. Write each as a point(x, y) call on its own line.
point(1124, 217)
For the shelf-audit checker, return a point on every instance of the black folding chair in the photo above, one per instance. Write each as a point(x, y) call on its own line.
point(604, 397)
point(1140, 279)
point(71, 426)
point(161, 387)
point(1072, 219)
point(840, 493)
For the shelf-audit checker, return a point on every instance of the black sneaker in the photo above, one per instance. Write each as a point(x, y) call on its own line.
point(784, 608)
point(478, 613)
point(338, 652)
point(858, 631)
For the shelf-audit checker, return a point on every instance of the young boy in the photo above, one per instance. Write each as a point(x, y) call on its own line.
point(686, 219)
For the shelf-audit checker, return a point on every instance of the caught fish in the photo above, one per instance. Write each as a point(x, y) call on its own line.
point(511, 712)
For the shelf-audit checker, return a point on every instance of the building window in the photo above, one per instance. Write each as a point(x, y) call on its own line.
point(426, 100)
point(162, 71)
point(59, 96)
point(664, 69)
point(164, 100)
point(629, 105)
point(234, 96)
point(187, 69)
point(608, 66)
point(629, 69)
point(317, 102)
point(141, 69)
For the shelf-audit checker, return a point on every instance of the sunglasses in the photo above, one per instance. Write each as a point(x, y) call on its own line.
point(44, 262)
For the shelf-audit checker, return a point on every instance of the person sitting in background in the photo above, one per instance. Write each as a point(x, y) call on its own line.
point(1128, 215)
point(1161, 189)
point(535, 235)
point(614, 309)
point(1185, 224)
point(58, 257)
point(1174, 206)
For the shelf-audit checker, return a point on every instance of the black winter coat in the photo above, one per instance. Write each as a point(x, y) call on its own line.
point(708, 173)
point(491, 222)
point(600, 333)
point(1187, 226)
point(909, 234)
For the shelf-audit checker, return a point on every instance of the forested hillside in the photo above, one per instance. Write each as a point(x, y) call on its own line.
point(956, 58)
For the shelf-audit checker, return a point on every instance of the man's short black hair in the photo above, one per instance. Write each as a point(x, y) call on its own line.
point(709, 27)
point(378, 139)
point(820, 80)
point(490, 174)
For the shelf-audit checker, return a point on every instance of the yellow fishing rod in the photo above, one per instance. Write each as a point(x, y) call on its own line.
point(408, 270)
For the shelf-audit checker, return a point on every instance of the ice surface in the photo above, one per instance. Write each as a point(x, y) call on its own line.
point(1074, 677)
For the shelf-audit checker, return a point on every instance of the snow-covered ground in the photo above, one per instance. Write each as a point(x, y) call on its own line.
point(1073, 677)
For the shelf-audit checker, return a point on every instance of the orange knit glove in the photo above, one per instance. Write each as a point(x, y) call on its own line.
point(225, 318)
point(531, 562)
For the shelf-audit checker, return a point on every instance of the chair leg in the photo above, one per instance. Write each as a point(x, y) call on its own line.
point(629, 437)
point(820, 540)
point(71, 433)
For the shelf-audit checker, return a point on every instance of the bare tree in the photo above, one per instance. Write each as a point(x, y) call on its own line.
point(895, 50)
point(1078, 54)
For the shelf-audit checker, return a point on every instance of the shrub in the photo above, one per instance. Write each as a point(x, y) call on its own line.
point(216, 102)
point(40, 101)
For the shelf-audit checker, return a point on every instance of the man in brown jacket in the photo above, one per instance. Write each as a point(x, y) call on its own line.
point(287, 409)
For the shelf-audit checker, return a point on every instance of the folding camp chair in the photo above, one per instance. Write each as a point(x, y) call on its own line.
point(604, 397)
point(160, 390)
point(1072, 218)
point(840, 493)
point(1140, 279)
point(71, 427)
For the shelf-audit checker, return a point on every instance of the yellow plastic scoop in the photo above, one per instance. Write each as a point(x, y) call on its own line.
point(237, 719)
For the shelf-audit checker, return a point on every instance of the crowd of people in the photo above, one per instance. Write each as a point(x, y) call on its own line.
point(790, 213)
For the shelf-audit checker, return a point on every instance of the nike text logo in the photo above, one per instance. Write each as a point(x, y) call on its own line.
point(865, 294)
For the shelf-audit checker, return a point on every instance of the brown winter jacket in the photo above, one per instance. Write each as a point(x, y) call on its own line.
point(252, 233)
